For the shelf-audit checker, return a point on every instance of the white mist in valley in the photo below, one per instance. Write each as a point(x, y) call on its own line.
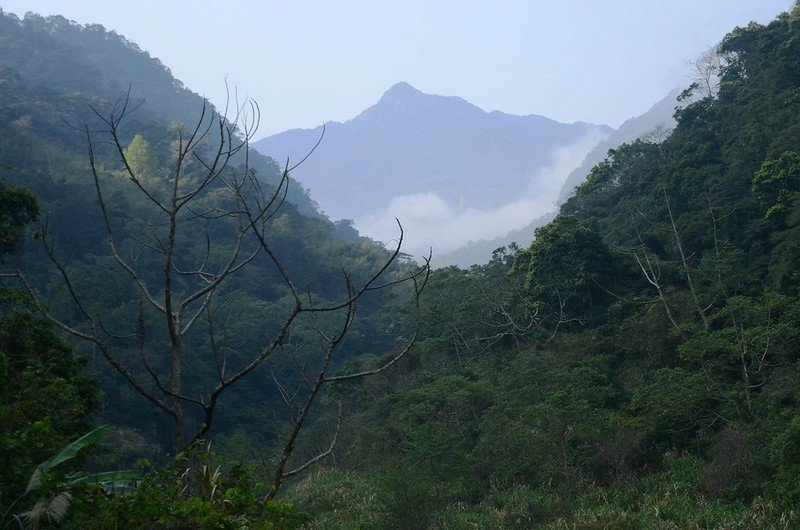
point(430, 222)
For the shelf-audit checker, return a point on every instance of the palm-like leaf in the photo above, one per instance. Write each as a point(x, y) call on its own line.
point(70, 451)
point(108, 480)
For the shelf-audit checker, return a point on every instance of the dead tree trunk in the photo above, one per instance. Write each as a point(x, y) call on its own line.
point(685, 264)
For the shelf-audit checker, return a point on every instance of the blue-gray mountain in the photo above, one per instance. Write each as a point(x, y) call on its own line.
point(415, 143)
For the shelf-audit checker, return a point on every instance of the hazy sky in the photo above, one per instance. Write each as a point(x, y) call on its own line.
point(306, 62)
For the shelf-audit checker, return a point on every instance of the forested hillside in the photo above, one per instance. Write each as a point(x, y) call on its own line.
point(61, 67)
point(161, 276)
point(636, 366)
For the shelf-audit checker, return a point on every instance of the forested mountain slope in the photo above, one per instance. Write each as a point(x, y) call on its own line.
point(636, 366)
point(52, 55)
point(177, 253)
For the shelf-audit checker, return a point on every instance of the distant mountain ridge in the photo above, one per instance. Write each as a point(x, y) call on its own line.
point(411, 143)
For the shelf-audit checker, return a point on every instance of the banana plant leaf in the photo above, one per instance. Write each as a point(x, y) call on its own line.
point(70, 451)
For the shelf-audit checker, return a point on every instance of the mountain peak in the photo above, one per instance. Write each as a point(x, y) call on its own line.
point(401, 94)
point(401, 89)
point(404, 96)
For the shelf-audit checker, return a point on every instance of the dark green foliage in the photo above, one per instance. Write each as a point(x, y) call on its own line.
point(18, 208)
point(46, 399)
point(41, 122)
point(51, 492)
point(569, 269)
point(776, 184)
point(198, 490)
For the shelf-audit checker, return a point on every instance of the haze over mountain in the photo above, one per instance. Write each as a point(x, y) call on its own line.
point(450, 171)
point(657, 121)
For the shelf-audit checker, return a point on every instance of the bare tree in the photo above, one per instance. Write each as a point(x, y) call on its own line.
point(210, 184)
point(651, 272)
point(701, 311)
point(706, 71)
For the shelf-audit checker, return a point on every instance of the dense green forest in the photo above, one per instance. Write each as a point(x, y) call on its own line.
point(638, 366)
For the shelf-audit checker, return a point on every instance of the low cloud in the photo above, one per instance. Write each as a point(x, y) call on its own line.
point(430, 222)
